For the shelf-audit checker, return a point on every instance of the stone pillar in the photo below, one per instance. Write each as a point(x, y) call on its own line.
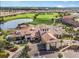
point(25, 38)
point(47, 46)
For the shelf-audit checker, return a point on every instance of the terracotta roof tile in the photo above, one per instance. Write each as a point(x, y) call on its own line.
point(48, 38)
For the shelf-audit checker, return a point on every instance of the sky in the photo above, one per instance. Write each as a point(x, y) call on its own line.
point(39, 3)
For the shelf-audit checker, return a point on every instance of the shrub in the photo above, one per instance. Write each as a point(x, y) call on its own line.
point(60, 55)
point(74, 47)
point(8, 47)
point(4, 54)
point(13, 49)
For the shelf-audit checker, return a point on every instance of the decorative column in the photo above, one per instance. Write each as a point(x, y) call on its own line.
point(47, 46)
point(25, 38)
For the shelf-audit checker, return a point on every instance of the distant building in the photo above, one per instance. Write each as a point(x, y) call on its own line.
point(70, 21)
point(27, 33)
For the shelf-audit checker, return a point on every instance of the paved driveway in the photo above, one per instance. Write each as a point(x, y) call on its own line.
point(71, 54)
point(35, 53)
point(50, 55)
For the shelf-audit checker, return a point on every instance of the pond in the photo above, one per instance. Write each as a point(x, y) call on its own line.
point(14, 23)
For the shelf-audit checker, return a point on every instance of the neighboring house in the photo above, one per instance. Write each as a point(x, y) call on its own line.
point(70, 21)
point(75, 14)
point(25, 33)
point(57, 31)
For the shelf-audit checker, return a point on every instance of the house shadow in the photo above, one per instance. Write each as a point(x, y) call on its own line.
point(42, 49)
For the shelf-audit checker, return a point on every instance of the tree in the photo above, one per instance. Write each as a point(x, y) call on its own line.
point(54, 21)
point(1, 20)
point(2, 45)
point(36, 15)
point(24, 53)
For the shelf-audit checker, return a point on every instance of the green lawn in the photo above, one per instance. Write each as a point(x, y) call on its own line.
point(41, 18)
point(45, 18)
point(1, 38)
point(48, 16)
point(41, 21)
point(4, 34)
point(29, 15)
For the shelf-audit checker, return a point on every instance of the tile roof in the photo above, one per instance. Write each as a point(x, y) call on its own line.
point(70, 20)
point(24, 31)
point(48, 38)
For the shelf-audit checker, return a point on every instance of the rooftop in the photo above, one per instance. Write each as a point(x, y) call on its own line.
point(70, 20)
point(48, 38)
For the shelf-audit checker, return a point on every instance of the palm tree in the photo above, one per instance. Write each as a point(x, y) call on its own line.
point(24, 53)
point(54, 21)
point(61, 41)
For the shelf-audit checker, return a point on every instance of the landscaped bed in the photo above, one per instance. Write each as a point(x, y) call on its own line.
point(4, 54)
point(13, 49)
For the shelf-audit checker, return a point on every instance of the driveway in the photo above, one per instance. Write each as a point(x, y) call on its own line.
point(71, 54)
point(35, 53)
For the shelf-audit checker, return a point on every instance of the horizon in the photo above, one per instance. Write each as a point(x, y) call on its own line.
point(60, 4)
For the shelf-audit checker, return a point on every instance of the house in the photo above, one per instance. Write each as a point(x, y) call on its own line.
point(50, 35)
point(70, 21)
point(54, 30)
point(27, 33)
point(75, 14)
point(36, 33)
point(49, 39)
point(57, 31)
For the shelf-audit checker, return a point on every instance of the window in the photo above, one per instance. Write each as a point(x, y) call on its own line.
point(28, 38)
point(23, 38)
point(43, 29)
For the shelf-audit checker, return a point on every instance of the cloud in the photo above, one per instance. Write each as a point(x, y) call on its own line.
point(65, 1)
point(72, 5)
point(60, 6)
